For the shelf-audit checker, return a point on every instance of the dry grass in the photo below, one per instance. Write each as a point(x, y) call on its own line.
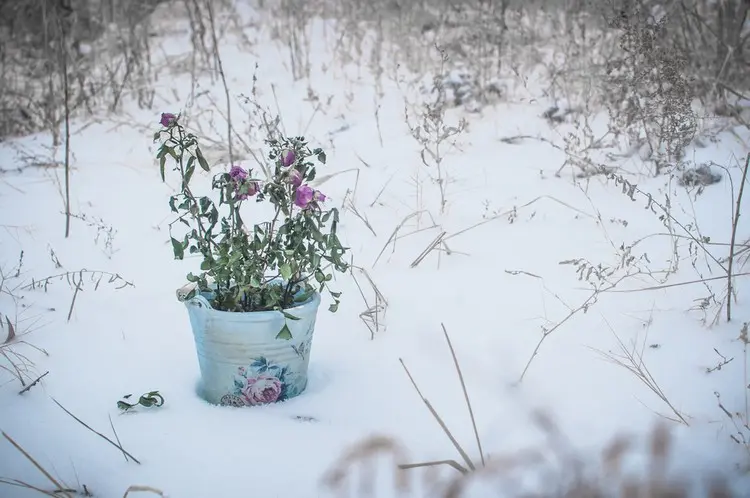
point(553, 471)
point(59, 487)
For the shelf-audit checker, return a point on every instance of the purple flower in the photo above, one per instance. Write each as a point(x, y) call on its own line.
point(295, 178)
point(252, 189)
point(237, 174)
point(304, 196)
point(168, 119)
point(288, 157)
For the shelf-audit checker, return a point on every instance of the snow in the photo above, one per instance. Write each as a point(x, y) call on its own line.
point(500, 285)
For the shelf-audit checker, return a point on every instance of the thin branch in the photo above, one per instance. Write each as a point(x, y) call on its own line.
point(735, 223)
point(33, 383)
point(435, 463)
point(97, 433)
point(439, 419)
point(34, 462)
point(223, 77)
point(466, 394)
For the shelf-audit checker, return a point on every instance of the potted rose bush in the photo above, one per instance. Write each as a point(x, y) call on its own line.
point(253, 303)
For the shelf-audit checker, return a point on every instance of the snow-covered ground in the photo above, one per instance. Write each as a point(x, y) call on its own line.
point(509, 222)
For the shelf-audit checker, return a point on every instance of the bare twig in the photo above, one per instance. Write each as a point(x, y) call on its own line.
point(435, 243)
point(142, 489)
point(31, 459)
point(735, 223)
point(633, 362)
point(590, 301)
point(439, 419)
point(114, 431)
point(435, 463)
point(22, 484)
point(33, 383)
point(677, 284)
point(466, 394)
point(124, 452)
point(220, 66)
point(66, 96)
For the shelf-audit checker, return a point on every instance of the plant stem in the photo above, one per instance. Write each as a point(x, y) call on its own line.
point(189, 194)
point(66, 97)
point(735, 223)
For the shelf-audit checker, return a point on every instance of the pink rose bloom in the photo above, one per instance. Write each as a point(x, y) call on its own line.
point(262, 390)
point(304, 196)
point(237, 173)
point(295, 178)
point(288, 157)
point(252, 189)
point(167, 119)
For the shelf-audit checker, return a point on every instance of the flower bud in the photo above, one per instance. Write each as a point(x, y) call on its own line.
point(168, 119)
point(288, 157)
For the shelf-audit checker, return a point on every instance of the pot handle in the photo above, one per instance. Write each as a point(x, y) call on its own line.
point(198, 301)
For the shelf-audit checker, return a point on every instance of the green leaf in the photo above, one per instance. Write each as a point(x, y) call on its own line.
point(124, 406)
point(289, 316)
point(301, 298)
point(284, 333)
point(322, 157)
point(286, 271)
point(179, 251)
point(162, 162)
point(201, 160)
point(333, 308)
point(189, 169)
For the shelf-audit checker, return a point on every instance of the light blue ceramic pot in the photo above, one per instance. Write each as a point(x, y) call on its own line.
point(242, 363)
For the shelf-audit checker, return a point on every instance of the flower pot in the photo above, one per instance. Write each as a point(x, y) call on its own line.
point(242, 362)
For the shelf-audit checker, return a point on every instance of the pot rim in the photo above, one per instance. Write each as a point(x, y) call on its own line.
point(202, 298)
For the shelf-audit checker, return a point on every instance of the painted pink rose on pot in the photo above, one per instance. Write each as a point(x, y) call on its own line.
point(262, 390)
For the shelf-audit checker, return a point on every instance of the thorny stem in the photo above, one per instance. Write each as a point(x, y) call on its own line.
point(188, 192)
point(735, 223)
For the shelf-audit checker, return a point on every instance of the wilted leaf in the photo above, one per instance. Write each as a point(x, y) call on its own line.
point(11, 331)
point(202, 160)
point(179, 252)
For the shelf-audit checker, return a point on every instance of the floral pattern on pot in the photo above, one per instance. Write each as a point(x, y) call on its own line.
point(303, 349)
point(262, 383)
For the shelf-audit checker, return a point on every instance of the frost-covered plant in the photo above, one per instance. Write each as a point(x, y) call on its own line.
point(266, 266)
